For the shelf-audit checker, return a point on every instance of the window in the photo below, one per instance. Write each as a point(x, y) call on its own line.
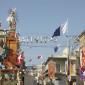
point(57, 67)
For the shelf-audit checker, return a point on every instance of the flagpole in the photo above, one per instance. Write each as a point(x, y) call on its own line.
point(69, 77)
point(68, 55)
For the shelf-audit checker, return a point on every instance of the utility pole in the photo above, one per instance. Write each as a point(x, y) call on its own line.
point(70, 43)
point(68, 60)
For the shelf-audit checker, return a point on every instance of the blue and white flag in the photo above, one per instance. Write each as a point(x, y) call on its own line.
point(62, 29)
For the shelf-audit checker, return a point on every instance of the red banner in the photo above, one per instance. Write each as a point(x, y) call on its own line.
point(82, 66)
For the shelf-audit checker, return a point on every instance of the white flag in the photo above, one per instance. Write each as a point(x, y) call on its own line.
point(65, 27)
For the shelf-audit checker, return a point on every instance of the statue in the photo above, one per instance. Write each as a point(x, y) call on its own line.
point(12, 18)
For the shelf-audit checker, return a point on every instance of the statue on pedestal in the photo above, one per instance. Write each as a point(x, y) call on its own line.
point(12, 19)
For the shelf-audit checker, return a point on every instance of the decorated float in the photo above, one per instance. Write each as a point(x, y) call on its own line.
point(11, 55)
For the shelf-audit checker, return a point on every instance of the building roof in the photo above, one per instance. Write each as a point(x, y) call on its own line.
point(55, 58)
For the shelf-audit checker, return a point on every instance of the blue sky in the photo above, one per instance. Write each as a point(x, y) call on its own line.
point(42, 17)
